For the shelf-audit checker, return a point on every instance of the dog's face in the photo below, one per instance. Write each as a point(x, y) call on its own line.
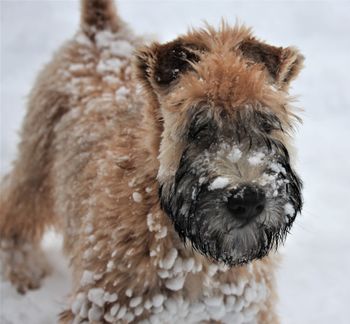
point(225, 174)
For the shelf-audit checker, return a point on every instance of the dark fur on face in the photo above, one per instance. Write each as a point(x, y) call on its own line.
point(200, 213)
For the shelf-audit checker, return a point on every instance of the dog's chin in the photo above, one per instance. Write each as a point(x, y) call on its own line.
point(239, 246)
point(232, 243)
point(206, 223)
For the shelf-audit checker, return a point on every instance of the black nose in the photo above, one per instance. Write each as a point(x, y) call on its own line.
point(246, 202)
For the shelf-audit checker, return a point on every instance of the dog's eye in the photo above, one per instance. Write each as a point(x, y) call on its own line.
point(197, 132)
point(266, 127)
point(203, 134)
point(268, 122)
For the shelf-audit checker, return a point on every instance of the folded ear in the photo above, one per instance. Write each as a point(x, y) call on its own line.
point(283, 64)
point(161, 65)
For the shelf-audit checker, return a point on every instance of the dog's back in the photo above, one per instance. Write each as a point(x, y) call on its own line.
point(81, 101)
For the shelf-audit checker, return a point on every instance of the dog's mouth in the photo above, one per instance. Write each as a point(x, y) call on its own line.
point(215, 231)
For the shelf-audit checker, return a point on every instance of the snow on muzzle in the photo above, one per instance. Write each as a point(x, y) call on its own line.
point(234, 202)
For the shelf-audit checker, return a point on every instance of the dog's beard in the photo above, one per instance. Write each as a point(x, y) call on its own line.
point(214, 232)
point(199, 210)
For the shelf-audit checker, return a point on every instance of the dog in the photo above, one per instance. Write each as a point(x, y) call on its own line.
point(167, 167)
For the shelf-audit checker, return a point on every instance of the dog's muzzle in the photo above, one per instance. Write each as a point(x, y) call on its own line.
point(233, 200)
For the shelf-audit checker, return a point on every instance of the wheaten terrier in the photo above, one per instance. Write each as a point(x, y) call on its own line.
point(171, 181)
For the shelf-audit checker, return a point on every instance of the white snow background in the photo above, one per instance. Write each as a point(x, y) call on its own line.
point(314, 284)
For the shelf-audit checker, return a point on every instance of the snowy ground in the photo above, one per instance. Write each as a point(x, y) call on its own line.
point(314, 279)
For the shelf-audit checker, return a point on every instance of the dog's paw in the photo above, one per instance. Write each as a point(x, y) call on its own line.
point(23, 265)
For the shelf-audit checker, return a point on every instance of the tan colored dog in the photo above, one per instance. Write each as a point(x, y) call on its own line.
point(169, 187)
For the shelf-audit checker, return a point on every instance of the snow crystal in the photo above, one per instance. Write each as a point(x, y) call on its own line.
point(231, 300)
point(130, 252)
point(171, 305)
point(110, 79)
point(235, 155)
point(152, 226)
point(250, 312)
point(157, 300)
point(78, 302)
point(108, 318)
point(129, 317)
point(94, 313)
point(216, 312)
point(162, 233)
point(163, 274)
point(84, 309)
point(194, 194)
point(137, 197)
point(121, 313)
point(212, 269)
point(289, 209)
point(157, 310)
point(110, 298)
point(148, 189)
point(169, 260)
point(110, 265)
point(87, 278)
point(138, 311)
point(201, 180)
point(225, 289)
point(104, 38)
point(175, 283)
point(89, 228)
point(122, 93)
point(178, 266)
point(128, 292)
point(256, 158)
point(98, 246)
point(277, 167)
point(197, 308)
point(95, 295)
point(110, 65)
point(132, 182)
point(92, 238)
point(82, 39)
point(239, 304)
point(76, 67)
point(198, 267)
point(121, 48)
point(214, 301)
point(238, 289)
point(188, 264)
point(98, 276)
point(135, 301)
point(148, 304)
point(114, 309)
point(250, 294)
point(219, 183)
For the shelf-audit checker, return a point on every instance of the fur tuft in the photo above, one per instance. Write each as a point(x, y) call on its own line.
point(99, 15)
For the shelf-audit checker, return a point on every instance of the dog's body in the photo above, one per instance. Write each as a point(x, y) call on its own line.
point(104, 160)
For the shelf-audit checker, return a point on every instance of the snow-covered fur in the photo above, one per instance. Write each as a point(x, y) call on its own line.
point(100, 151)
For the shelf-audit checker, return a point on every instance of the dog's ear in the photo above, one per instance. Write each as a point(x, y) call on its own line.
point(161, 65)
point(282, 64)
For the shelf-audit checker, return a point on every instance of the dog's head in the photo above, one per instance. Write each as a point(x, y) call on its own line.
point(221, 101)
